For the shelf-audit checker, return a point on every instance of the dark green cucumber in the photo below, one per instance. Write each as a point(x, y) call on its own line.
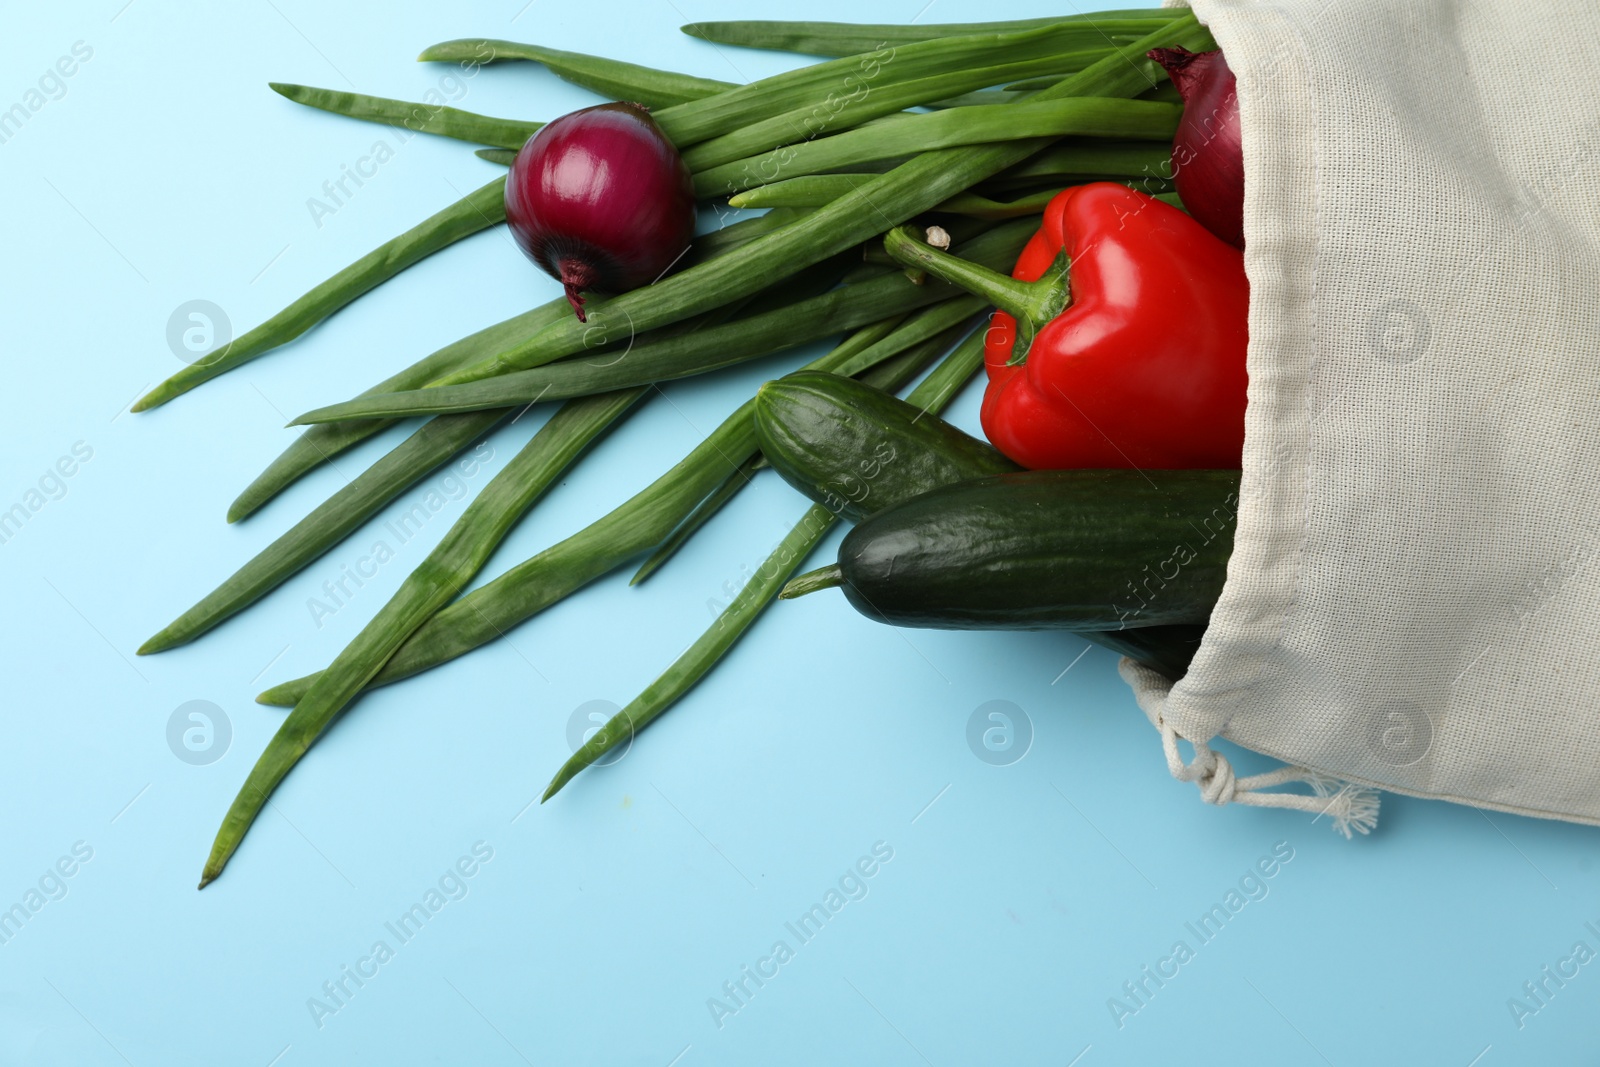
point(1167, 650)
point(1073, 550)
point(858, 451)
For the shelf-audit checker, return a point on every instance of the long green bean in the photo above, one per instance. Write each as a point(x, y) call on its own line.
point(703, 655)
point(609, 77)
point(1030, 84)
point(1081, 116)
point(330, 522)
point(891, 198)
point(320, 443)
point(852, 107)
point(1166, 91)
point(986, 96)
point(894, 373)
point(849, 38)
point(736, 234)
point(703, 513)
point(477, 211)
point(926, 325)
point(814, 190)
point(1078, 160)
point(697, 660)
point(808, 190)
point(638, 525)
point(889, 375)
point(982, 207)
point(451, 564)
point(760, 591)
point(503, 156)
point(437, 119)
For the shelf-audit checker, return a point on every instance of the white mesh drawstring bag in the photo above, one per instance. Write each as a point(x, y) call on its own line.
point(1413, 599)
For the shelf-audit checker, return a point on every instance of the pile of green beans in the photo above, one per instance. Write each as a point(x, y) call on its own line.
point(1018, 109)
point(645, 520)
point(451, 564)
point(792, 98)
point(706, 350)
point(447, 570)
point(429, 448)
point(321, 443)
point(932, 395)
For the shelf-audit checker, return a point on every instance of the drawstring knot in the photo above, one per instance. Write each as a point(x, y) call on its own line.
point(1350, 808)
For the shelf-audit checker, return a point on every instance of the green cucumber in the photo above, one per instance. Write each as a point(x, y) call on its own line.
point(1166, 650)
point(858, 451)
point(1073, 550)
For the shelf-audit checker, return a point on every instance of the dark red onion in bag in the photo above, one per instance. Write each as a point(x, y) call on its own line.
point(601, 200)
point(1207, 154)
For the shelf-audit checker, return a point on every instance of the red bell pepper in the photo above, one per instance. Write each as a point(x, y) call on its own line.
point(1120, 339)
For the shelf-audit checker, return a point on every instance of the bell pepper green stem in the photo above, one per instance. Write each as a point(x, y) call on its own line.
point(1032, 304)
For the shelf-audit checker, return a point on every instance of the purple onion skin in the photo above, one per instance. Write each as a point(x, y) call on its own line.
point(1207, 153)
point(601, 200)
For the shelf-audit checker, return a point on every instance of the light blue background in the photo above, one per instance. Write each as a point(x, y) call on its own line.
point(1019, 898)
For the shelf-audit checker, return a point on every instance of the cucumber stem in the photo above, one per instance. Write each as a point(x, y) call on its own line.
point(828, 577)
point(1032, 304)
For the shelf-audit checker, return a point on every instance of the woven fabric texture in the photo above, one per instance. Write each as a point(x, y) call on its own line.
point(1413, 599)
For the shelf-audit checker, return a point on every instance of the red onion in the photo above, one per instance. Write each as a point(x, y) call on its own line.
point(601, 200)
point(1207, 156)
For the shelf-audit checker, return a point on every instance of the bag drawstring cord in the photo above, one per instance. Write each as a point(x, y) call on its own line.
point(1353, 808)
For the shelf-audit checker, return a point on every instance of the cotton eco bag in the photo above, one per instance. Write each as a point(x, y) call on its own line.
point(1413, 598)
